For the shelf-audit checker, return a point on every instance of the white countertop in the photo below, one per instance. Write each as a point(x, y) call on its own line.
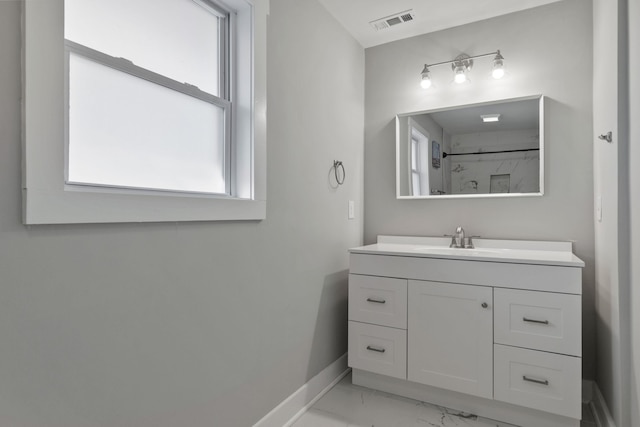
point(488, 250)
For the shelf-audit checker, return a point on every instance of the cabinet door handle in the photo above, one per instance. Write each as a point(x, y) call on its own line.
point(377, 301)
point(376, 349)
point(542, 322)
point(533, 380)
point(484, 305)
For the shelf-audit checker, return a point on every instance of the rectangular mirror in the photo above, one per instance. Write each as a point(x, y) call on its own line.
point(493, 149)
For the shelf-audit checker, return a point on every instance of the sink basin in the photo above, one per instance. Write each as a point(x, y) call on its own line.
point(460, 251)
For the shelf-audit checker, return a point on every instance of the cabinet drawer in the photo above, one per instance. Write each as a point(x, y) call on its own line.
point(538, 320)
point(378, 300)
point(378, 349)
point(539, 380)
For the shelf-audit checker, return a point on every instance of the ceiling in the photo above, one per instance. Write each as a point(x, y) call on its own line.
point(514, 115)
point(430, 15)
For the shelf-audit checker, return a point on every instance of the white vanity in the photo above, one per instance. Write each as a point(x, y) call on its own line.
point(494, 331)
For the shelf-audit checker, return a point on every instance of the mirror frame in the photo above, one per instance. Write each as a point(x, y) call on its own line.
point(541, 112)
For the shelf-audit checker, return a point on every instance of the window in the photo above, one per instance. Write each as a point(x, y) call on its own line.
point(161, 117)
point(419, 167)
point(148, 108)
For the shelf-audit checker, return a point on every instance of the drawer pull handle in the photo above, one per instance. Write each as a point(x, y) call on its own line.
point(377, 301)
point(533, 380)
point(376, 349)
point(542, 322)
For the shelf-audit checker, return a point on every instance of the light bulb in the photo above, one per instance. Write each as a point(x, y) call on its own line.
point(425, 82)
point(426, 78)
point(498, 73)
point(460, 76)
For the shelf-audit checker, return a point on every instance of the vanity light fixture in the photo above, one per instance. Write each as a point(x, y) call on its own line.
point(498, 66)
point(426, 78)
point(461, 65)
point(488, 118)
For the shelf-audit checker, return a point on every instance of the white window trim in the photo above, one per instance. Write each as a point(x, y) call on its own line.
point(46, 198)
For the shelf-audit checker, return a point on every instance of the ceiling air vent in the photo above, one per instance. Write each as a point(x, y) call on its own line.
point(391, 20)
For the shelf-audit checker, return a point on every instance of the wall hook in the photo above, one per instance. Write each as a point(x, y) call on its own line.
point(607, 137)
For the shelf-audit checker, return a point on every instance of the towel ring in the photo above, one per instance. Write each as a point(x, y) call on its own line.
point(338, 164)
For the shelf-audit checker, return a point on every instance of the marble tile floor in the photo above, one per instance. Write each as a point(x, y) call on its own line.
point(347, 405)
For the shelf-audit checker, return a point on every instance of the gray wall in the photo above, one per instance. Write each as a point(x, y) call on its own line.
point(539, 45)
point(190, 324)
point(634, 195)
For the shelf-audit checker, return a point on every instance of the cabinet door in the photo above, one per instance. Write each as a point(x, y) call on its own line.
point(450, 336)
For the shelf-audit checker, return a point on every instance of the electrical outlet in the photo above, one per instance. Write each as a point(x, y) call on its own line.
point(352, 209)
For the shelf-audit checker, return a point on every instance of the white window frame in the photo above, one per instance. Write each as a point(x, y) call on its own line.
point(47, 199)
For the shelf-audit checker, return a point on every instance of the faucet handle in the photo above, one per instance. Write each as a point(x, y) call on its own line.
point(468, 243)
point(453, 240)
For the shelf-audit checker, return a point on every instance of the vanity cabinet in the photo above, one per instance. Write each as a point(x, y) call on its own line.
point(479, 331)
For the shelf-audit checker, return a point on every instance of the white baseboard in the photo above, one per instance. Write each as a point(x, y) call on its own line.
point(294, 406)
point(599, 408)
point(587, 390)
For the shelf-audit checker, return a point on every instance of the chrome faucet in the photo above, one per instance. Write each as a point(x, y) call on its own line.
point(459, 240)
